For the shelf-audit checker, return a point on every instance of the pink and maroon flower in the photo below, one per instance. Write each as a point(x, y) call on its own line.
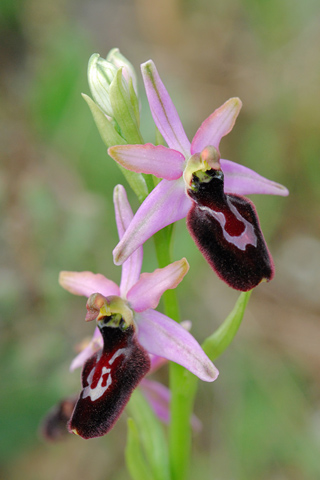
point(157, 394)
point(128, 331)
point(201, 186)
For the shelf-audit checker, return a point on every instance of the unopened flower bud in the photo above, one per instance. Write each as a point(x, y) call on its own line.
point(128, 71)
point(100, 75)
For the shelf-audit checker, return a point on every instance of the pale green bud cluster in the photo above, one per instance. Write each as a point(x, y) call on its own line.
point(115, 106)
point(116, 58)
point(100, 76)
point(103, 73)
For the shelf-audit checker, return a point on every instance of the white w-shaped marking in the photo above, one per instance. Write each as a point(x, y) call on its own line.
point(99, 390)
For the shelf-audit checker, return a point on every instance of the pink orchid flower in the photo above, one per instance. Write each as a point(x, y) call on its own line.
point(53, 425)
point(157, 394)
point(197, 184)
point(131, 330)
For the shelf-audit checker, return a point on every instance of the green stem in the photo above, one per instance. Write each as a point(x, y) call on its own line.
point(183, 386)
point(149, 182)
point(162, 240)
point(182, 383)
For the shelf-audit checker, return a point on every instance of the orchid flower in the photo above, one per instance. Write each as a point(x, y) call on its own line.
point(53, 426)
point(157, 395)
point(131, 330)
point(197, 184)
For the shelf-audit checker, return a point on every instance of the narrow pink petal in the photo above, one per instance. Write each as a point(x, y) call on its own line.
point(160, 335)
point(122, 209)
point(87, 283)
point(159, 397)
point(216, 126)
point(132, 267)
point(243, 181)
point(156, 361)
point(166, 204)
point(146, 293)
point(163, 162)
point(163, 110)
point(95, 344)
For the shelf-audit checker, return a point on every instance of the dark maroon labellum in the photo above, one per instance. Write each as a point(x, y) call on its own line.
point(54, 425)
point(226, 230)
point(108, 379)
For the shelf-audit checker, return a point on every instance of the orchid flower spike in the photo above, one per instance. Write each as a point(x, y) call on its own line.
point(131, 330)
point(201, 186)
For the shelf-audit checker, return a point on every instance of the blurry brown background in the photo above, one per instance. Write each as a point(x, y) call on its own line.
point(262, 417)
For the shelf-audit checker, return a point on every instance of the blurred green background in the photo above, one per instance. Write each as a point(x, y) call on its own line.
point(261, 419)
